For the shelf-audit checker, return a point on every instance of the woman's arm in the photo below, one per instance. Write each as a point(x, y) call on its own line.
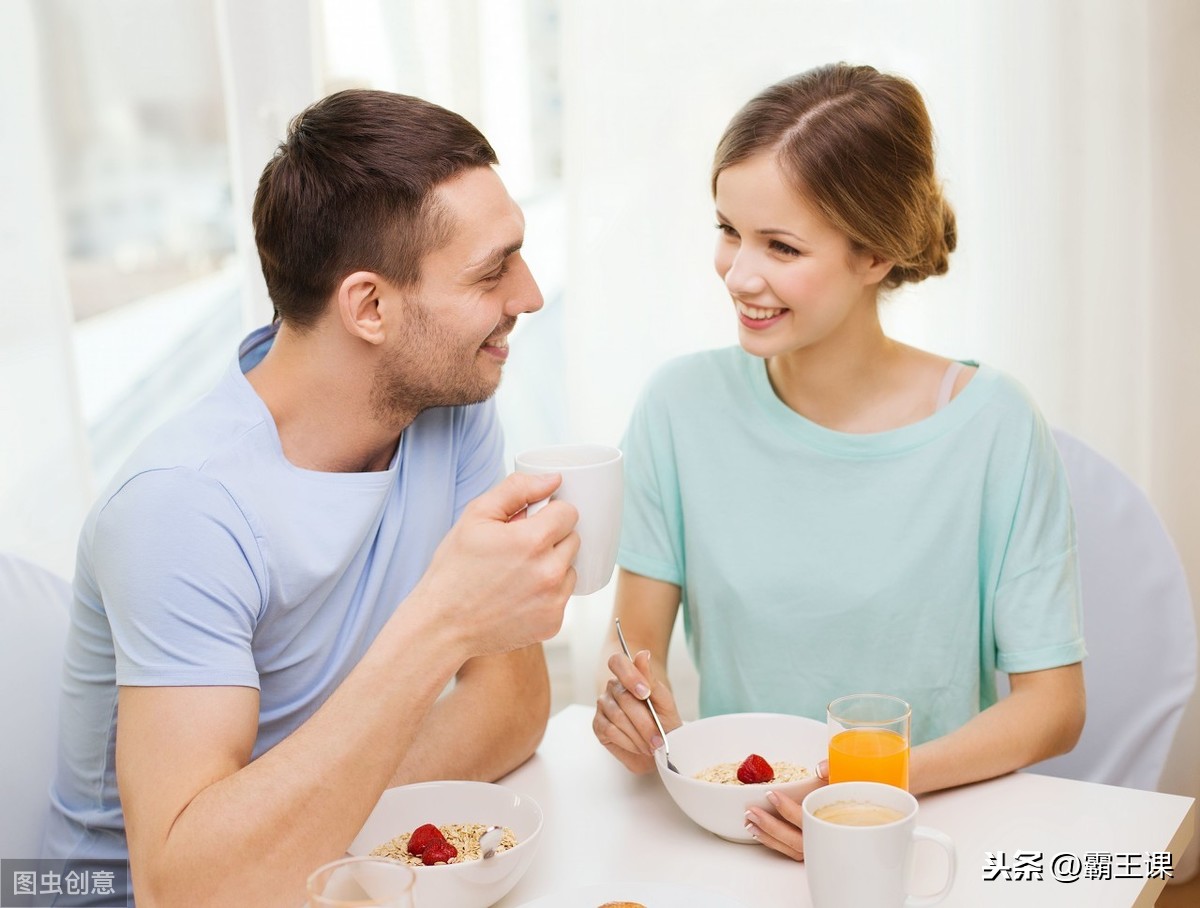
point(1041, 718)
point(622, 723)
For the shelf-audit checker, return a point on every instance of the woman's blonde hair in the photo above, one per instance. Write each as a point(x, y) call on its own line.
point(857, 144)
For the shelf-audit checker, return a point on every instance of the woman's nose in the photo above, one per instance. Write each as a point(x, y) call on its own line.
point(742, 277)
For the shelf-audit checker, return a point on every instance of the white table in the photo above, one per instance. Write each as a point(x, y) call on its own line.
point(604, 824)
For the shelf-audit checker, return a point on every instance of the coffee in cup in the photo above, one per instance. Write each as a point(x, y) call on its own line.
point(857, 813)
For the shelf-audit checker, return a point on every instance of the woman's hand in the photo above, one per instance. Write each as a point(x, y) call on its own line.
point(783, 833)
point(623, 723)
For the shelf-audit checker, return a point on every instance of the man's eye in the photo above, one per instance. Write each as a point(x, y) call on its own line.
point(495, 276)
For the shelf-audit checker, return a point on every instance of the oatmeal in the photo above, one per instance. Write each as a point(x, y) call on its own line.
point(463, 836)
point(727, 773)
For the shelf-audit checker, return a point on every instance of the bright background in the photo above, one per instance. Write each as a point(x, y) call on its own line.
point(132, 130)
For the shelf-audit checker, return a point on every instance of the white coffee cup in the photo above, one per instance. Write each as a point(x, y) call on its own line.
point(593, 481)
point(852, 866)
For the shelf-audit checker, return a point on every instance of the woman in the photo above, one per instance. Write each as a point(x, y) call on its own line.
point(836, 511)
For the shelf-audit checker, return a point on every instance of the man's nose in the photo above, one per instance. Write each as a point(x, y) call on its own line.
point(526, 295)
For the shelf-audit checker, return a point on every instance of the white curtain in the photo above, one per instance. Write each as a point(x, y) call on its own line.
point(1067, 138)
point(266, 83)
point(44, 475)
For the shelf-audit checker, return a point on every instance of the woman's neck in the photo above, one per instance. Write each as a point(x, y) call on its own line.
point(852, 381)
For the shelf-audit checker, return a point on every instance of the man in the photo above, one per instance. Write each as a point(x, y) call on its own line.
point(273, 593)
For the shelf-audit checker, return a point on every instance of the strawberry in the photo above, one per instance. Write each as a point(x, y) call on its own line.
point(439, 853)
point(755, 769)
point(423, 837)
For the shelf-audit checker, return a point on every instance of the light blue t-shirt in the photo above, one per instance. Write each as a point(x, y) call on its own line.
point(212, 560)
point(816, 563)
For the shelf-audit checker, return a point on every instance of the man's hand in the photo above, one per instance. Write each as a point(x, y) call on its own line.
point(503, 581)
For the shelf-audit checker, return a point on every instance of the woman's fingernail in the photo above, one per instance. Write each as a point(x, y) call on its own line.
point(657, 741)
point(641, 691)
point(773, 798)
point(823, 770)
point(749, 819)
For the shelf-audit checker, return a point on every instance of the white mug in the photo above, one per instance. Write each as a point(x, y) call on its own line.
point(593, 481)
point(853, 866)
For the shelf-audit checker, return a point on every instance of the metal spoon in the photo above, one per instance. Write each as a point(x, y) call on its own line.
point(490, 841)
point(653, 714)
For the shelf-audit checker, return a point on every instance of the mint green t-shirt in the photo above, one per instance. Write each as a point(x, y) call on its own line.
point(815, 563)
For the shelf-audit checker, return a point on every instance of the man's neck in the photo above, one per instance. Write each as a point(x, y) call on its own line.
point(317, 388)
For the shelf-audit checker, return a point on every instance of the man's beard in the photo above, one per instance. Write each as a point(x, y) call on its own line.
point(431, 367)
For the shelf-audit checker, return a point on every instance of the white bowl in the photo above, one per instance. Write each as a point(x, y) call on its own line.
point(471, 884)
point(695, 746)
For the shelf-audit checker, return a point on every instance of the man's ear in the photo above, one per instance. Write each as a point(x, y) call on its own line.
point(358, 305)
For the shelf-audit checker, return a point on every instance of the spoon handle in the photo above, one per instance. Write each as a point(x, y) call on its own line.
point(653, 714)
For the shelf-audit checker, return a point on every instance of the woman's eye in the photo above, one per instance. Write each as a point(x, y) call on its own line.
point(727, 230)
point(784, 248)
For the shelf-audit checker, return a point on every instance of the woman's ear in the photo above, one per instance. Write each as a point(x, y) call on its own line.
point(875, 268)
point(359, 305)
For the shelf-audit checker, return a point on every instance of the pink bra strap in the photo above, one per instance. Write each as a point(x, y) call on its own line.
point(947, 387)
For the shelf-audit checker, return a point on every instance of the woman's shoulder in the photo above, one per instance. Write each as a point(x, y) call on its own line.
point(1006, 418)
point(1006, 394)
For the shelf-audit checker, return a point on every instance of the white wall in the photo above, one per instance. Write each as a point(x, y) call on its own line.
point(1171, 395)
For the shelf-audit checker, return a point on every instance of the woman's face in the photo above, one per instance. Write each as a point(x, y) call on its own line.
point(793, 277)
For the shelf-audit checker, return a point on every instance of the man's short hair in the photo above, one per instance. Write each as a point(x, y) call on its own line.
point(350, 189)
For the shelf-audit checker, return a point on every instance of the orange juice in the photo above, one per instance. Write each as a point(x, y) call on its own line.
point(869, 755)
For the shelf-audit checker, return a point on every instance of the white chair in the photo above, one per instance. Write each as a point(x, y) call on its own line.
point(33, 629)
point(1138, 623)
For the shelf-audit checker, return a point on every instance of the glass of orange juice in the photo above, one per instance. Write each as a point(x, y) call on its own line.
point(869, 739)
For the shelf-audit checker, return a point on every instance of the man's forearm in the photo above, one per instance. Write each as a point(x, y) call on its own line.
point(253, 836)
point(499, 704)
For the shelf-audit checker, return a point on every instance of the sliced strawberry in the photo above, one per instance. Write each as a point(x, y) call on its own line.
point(439, 853)
point(754, 770)
point(423, 837)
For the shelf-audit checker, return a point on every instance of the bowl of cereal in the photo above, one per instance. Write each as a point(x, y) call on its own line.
point(435, 828)
point(729, 763)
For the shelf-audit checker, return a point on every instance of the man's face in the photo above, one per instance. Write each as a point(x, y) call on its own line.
point(452, 336)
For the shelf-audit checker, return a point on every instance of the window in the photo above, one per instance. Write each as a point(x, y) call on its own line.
point(137, 129)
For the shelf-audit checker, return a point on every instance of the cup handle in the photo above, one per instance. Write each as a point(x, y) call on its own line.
point(947, 845)
point(536, 506)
